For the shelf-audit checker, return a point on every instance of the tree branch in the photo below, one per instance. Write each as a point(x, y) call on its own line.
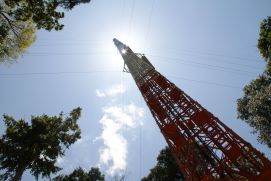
point(9, 23)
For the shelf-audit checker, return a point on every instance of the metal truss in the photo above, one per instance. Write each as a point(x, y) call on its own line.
point(203, 147)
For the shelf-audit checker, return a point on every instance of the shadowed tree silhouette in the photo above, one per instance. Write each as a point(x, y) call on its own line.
point(264, 40)
point(166, 168)
point(94, 174)
point(15, 16)
point(36, 146)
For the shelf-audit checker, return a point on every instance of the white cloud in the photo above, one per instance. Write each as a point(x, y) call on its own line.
point(100, 93)
point(112, 91)
point(79, 141)
point(115, 120)
point(60, 160)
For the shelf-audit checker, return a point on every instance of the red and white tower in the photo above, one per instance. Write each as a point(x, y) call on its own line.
point(203, 147)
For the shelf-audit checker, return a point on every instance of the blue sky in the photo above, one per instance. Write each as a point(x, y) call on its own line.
point(207, 48)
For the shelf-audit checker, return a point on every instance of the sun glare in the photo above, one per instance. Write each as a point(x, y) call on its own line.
point(123, 51)
point(112, 55)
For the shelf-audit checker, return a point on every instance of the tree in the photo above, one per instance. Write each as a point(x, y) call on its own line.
point(165, 169)
point(36, 146)
point(17, 15)
point(94, 174)
point(15, 36)
point(44, 13)
point(255, 107)
point(13, 45)
point(264, 41)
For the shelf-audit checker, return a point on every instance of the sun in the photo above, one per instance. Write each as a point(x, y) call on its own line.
point(112, 57)
point(123, 51)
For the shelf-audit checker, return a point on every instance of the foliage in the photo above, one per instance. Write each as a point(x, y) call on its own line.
point(12, 46)
point(69, 4)
point(255, 107)
point(19, 19)
point(36, 146)
point(165, 169)
point(15, 36)
point(44, 13)
point(264, 41)
point(94, 174)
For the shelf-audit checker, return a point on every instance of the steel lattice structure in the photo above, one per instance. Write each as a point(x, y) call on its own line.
point(203, 147)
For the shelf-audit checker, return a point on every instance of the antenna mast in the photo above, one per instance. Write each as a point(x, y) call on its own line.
point(203, 147)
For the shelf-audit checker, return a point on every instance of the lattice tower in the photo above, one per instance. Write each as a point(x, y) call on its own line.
point(203, 147)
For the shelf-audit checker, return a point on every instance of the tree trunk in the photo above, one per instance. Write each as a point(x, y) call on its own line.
point(18, 174)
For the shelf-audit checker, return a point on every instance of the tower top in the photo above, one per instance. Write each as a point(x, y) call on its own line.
point(123, 49)
point(130, 57)
point(118, 43)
